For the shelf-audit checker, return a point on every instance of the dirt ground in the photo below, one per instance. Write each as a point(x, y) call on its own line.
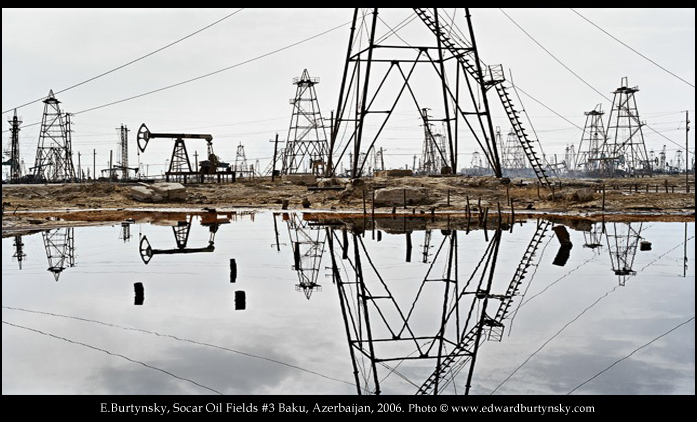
point(43, 206)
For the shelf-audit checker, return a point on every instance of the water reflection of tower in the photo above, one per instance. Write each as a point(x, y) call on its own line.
point(19, 251)
point(308, 248)
point(593, 239)
point(622, 242)
point(387, 333)
point(60, 250)
point(181, 237)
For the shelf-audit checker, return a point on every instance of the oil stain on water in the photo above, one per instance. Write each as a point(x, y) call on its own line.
point(254, 303)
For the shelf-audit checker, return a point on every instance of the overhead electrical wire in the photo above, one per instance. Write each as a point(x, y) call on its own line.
point(581, 79)
point(641, 55)
point(129, 63)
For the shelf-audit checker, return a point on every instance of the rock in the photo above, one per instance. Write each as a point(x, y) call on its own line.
point(582, 195)
point(395, 196)
point(142, 194)
point(300, 178)
point(394, 173)
point(170, 190)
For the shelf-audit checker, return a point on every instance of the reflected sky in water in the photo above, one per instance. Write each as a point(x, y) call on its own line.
point(612, 315)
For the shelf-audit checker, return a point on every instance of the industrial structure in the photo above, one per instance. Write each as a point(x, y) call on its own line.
point(54, 154)
point(13, 160)
point(457, 73)
point(60, 249)
point(180, 168)
point(306, 144)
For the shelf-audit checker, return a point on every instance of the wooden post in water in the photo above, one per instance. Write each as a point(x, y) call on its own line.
point(404, 196)
point(448, 197)
point(233, 271)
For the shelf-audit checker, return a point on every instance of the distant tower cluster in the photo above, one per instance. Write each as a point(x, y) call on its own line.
point(624, 140)
point(434, 154)
point(54, 155)
point(306, 149)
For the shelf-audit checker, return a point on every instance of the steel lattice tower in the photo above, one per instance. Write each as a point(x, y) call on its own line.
point(241, 165)
point(589, 157)
point(306, 148)
point(434, 156)
point(54, 154)
point(15, 170)
point(514, 157)
point(624, 139)
point(380, 71)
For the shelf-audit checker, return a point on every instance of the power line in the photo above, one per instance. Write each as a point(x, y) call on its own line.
point(131, 62)
point(112, 354)
point(614, 38)
point(629, 355)
point(215, 72)
point(554, 57)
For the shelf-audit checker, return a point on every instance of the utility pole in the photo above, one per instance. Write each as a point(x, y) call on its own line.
point(79, 169)
point(687, 155)
point(94, 165)
point(273, 164)
point(111, 164)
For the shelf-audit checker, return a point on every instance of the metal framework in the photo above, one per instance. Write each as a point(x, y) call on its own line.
point(374, 67)
point(54, 154)
point(179, 163)
point(589, 158)
point(13, 160)
point(181, 238)
point(306, 144)
point(624, 140)
point(60, 250)
point(308, 248)
point(434, 154)
point(19, 254)
point(622, 242)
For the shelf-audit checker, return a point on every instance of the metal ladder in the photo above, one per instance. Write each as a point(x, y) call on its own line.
point(513, 115)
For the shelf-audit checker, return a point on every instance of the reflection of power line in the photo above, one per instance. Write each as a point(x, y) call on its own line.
point(552, 338)
point(178, 339)
point(112, 354)
point(629, 355)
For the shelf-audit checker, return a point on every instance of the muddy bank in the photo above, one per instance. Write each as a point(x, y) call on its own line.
point(660, 198)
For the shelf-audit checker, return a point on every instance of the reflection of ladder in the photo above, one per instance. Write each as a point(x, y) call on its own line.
point(442, 31)
point(463, 348)
point(496, 331)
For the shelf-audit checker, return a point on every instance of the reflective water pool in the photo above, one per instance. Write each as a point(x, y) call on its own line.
point(261, 303)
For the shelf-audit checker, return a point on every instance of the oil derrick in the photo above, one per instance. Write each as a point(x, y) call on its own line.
point(306, 147)
point(54, 154)
point(434, 155)
point(308, 247)
point(60, 250)
point(624, 140)
point(514, 157)
point(241, 167)
point(589, 158)
point(379, 72)
point(122, 160)
point(13, 160)
point(386, 330)
point(19, 254)
point(622, 241)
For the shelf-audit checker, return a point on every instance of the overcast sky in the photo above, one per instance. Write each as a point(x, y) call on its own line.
point(248, 103)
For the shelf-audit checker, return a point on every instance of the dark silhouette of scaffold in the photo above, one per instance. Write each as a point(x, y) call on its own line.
point(444, 319)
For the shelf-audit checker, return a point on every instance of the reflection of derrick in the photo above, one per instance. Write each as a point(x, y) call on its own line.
point(593, 239)
point(622, 242)
point(19, 251)
point(308, 248)
point(385, 331)
point(60, 250)
point(181, 237)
